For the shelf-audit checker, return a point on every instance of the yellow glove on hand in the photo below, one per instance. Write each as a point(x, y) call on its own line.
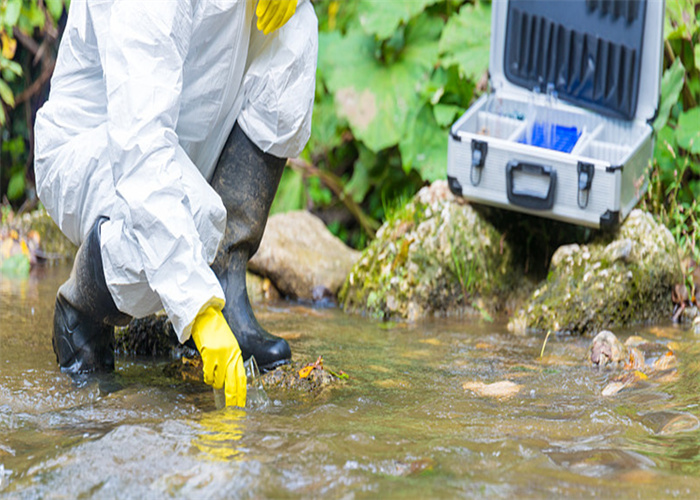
point(221, 355)
point(272, 14)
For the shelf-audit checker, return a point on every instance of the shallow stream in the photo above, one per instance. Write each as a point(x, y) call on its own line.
point(401, 426)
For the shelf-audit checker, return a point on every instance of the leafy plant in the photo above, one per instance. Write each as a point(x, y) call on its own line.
point(674, 184)
point(392, 78)
point(28, 36)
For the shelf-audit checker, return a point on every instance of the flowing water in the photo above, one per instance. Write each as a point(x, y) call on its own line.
point(401, 426)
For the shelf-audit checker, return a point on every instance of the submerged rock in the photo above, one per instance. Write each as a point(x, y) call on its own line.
point(608, 283)
point(435, 256)
point(302, 257)
point(670, 422)
point(641, 361)
point(607, 350)
point(150, 336)
point(286, 378)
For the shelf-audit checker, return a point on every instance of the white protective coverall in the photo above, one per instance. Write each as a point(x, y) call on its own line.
point(143, 98)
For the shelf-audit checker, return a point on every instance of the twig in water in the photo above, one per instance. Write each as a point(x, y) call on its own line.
point(544, 344)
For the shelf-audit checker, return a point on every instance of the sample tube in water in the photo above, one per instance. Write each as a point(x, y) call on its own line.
point(256, 397)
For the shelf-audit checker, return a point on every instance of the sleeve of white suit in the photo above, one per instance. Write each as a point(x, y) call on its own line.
point(144, 55)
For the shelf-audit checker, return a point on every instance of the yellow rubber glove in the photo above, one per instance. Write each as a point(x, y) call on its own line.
point(221, 355)
point(272, 14)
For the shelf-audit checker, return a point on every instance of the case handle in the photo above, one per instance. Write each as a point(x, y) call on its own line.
point(531, 199)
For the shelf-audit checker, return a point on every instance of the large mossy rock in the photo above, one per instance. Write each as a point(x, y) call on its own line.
point(302, 257)
point(612, 282)
point(436, 256)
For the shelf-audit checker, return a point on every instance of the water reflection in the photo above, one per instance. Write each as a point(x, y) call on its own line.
point(220, 434)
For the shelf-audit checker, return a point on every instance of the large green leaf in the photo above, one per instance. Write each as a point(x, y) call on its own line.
point(688, 130)
point(671, 86)
point(382, 17)
point(466, 39)
point(376, 97)
point(424, 146)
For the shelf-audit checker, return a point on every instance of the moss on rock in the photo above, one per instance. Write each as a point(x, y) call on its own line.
point(435, 256)
point(609, 283)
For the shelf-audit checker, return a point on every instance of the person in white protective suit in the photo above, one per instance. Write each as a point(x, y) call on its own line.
point(150, 102)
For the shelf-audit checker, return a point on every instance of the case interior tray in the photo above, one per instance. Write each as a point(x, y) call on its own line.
point(597, 138)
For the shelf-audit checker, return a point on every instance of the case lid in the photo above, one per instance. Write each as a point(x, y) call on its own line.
point(604, 55)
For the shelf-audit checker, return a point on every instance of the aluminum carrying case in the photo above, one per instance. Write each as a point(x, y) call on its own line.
point(565, 131)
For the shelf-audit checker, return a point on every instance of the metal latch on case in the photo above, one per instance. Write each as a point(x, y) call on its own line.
point(479, 150)
point(586, 171)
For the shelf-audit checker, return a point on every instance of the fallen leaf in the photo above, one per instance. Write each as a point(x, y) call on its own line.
point(306, 371)
point(483, 345)
point(502, 389)
point(340, 374)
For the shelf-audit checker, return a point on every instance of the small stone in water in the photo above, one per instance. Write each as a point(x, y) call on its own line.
point(502, 389)
point(668, 422)
point(607, 350)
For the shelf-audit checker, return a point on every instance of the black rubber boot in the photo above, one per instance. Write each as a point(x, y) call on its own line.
point(247, 180)
point(85, 313)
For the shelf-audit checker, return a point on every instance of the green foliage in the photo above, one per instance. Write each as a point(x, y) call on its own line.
point(392, 78)
point(466, 40)
point(374, 84)
point(674, 187)
point(26, 21)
